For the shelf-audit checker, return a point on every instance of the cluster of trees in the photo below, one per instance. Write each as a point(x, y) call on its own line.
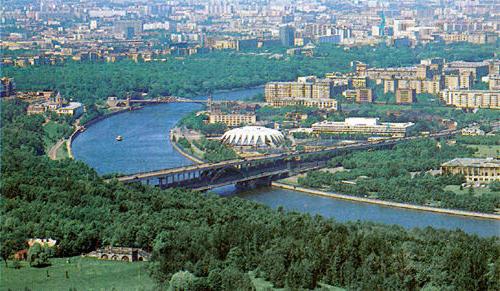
point(194, 75)
point(479, 140)
point(211, 243)
point(199, 123)
point(400, 175)
point(215, 151)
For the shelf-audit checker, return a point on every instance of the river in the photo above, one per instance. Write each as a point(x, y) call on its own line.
point(146, 147)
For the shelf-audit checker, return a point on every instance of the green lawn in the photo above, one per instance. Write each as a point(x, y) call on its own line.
point(83, 274)
point(465, 191)
point(53, 132)
point(62, 153)
point(484, 151)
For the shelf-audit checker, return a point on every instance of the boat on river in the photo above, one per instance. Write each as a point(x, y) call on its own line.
point(119, 138)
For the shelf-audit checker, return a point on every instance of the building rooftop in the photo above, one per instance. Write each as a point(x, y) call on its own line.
point(73, 105)
point(363, 121)
point(473, 162)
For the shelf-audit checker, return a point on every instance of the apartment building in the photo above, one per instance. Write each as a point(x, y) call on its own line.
point(232, 119)
point(405, 96)
point(364, 95)
point(470, 99)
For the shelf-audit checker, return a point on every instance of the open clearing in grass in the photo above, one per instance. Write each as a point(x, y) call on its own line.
point(83, 274)
point(484, 151)
point(478, 191)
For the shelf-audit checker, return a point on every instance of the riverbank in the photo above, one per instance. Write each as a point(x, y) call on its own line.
point(181, 151)
point(386, 203)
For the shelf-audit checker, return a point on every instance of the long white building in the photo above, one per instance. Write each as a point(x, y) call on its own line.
point(362, 125)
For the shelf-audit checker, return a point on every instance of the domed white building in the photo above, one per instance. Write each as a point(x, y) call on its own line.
point(257, 136)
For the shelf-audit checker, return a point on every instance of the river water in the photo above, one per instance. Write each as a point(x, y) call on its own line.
point(146, 147)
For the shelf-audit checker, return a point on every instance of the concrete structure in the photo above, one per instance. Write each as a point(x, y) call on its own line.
point(127, 28)
point(405, 96)
point(256, 136)
point(7, 87)
point(362, 125)
point(304, 88)
point(494, 82)
point(120, 254)
point(287, 35)
point(323, 103)
point(472, 131)
point(470, 99)
point(307, 91)
point(477, 69)
point(232, 119)
point(390, 85)
point(476, 171)
point(364, 95)
point(72, 109)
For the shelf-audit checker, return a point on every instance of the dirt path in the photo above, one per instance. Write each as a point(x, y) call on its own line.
point(53, 150)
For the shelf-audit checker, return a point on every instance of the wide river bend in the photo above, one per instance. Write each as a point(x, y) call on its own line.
point(146, 146)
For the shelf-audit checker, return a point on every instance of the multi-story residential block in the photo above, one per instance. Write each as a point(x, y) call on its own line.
point(364, 95)
point(321, 103)
point(475, 170)
point(470, 99)
point(405, 96)
point(466, 79)
point(478, 69)
point(358, 82)
point(232, 119)
point(390, 85)
point(362, 125)
point(304, 88)
point(452, 82)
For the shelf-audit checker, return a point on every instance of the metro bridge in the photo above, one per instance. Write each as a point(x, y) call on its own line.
point(255, 171)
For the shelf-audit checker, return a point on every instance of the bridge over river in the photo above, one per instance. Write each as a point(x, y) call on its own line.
point(255, 171)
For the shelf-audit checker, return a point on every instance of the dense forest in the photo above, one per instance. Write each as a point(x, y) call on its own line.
point(211, 243)
point(197, 74)
point(401, 175)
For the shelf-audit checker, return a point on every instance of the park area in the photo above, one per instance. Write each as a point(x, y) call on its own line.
point(77, 273)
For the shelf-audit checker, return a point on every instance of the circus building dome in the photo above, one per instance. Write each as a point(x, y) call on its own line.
point(253, 136)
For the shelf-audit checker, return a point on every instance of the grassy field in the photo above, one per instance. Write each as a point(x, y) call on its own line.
point(93, 275)
point(83, 274)
point(62, 153)
point(484, 151)
point(53, 132)
point(465, 191)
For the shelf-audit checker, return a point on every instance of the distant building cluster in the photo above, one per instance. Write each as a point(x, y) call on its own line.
point(51, 102)
point(453, 82)
point(151, 30)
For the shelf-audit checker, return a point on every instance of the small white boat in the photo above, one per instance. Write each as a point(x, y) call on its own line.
point(119, 138)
